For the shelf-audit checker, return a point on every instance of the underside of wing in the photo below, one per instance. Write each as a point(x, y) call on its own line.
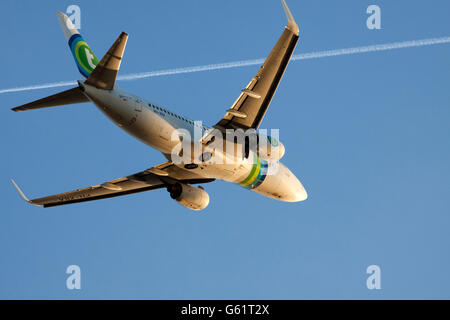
point(157, 177)
point(70, 96)
point(250, 107)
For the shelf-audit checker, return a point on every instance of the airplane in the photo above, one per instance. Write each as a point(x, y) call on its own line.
point(154, 125)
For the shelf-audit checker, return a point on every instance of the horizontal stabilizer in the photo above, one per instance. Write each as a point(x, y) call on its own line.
point(63, 98)
point(105, 73)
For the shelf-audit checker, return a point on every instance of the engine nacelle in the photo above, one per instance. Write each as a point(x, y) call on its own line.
point(194, 198)
point(269, 148)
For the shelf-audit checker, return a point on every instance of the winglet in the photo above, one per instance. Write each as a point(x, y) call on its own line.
point(292, 25)
point(24, 197)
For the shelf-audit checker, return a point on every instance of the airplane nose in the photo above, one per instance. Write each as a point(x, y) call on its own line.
point(296, 192)
point(282, 184)
point(300, 193)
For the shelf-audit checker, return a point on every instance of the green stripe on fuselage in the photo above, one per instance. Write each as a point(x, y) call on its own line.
point(253, 173)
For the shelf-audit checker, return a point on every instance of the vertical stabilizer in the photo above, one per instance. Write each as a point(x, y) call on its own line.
point(85, 59)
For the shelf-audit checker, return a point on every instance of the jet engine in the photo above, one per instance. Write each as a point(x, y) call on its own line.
point(194, 198)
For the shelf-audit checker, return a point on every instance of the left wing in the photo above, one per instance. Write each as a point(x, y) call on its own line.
point(250, 107)
point(157, 177)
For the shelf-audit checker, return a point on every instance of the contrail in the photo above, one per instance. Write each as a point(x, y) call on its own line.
point(40, 86)
point(245, 63)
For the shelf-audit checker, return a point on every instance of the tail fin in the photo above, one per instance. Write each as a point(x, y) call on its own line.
point(101, 74)
point(84, 57)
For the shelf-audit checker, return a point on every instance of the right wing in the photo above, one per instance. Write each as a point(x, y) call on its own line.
point(156, 177)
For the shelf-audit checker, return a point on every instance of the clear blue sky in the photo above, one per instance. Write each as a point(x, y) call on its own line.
point(367, 134)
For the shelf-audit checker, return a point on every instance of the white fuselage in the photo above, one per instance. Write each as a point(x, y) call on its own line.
point(154, 126)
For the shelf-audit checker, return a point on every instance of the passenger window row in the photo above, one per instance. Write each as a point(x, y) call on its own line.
point(173, 115)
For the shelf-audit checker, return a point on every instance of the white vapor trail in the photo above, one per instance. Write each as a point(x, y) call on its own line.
point(245, 63)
